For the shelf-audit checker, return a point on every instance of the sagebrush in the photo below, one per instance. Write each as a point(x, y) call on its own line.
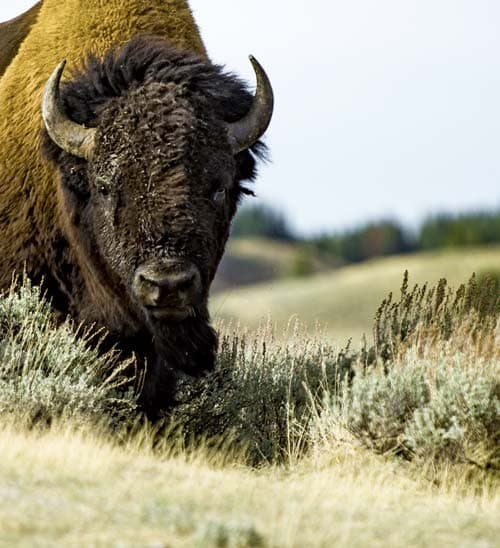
point(49, 370)
point(428, 387)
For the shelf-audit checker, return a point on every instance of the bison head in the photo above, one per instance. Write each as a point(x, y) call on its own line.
point(152, 146)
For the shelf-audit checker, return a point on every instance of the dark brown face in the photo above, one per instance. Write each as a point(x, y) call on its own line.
point(153, 145)
point(161, 192)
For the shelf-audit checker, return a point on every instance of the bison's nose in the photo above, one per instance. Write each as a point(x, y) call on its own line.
point(171, 284)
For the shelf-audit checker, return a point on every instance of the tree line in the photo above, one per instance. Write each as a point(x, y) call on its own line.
point(378, 238)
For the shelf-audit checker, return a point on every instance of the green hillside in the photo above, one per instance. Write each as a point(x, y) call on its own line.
point(344, 301)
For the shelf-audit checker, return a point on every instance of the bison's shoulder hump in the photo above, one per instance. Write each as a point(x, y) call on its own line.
point(12, 34)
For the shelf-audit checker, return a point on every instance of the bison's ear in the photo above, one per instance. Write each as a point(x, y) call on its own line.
point(66, 134)
point(244, 133)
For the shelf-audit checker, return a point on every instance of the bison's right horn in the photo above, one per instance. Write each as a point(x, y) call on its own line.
point(246, 132)
point(66, 134)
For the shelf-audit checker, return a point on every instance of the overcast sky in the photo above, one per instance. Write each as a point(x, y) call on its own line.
point(383, 108)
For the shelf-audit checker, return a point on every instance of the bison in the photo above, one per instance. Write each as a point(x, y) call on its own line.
point(146, 149)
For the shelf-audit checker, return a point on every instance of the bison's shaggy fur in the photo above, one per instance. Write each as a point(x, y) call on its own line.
point(12, 34)
point(160, 188)
point(82, 228)
point(137, 90)
point(29, 214)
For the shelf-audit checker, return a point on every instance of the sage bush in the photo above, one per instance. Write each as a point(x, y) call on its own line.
point(428, 387)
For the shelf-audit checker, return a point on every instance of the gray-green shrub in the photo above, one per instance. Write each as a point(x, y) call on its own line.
point(48, 371)
point(262, 393)
point(428, 387)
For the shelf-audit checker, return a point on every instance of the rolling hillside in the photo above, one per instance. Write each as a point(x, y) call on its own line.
point(344, 301)
point(249, 261)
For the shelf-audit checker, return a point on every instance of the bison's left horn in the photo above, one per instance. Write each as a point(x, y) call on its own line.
point(68, 135)
point(247, 131)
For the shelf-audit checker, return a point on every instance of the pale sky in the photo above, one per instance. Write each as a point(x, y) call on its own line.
point(383, 107)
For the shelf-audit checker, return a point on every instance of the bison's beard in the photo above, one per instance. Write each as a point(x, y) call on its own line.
point(175, 349)
point(165, 350)
point(188, 346)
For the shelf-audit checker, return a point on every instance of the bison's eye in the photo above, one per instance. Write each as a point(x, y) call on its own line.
point(103, 187)
point(219, 197)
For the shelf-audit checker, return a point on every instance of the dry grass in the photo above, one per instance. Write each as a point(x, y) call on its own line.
point(67, 488)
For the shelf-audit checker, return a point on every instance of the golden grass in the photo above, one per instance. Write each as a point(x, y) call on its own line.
point(344, 301)
point(69, 488)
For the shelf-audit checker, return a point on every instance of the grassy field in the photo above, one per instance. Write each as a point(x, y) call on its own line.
point(63, 488)
point(287, 444)
point(344, 301)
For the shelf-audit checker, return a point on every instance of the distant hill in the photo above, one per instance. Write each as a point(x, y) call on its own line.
point(249, 261)
point(345, 300)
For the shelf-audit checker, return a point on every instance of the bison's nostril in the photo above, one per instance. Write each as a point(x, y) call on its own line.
point(184, 283)
point(167, 284)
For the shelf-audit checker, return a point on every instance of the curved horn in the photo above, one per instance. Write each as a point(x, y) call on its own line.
point(247, 131)
point(66, 134)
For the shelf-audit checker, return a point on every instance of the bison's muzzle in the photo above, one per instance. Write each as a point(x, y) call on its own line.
point(168, 289)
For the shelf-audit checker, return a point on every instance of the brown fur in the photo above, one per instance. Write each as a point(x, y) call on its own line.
point(29, 215)
point(13, 32)
point(162, 155)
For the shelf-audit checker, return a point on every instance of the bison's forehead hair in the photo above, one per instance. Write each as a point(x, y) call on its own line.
point(162, 132)
point(151, 124)
point(167, 76)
